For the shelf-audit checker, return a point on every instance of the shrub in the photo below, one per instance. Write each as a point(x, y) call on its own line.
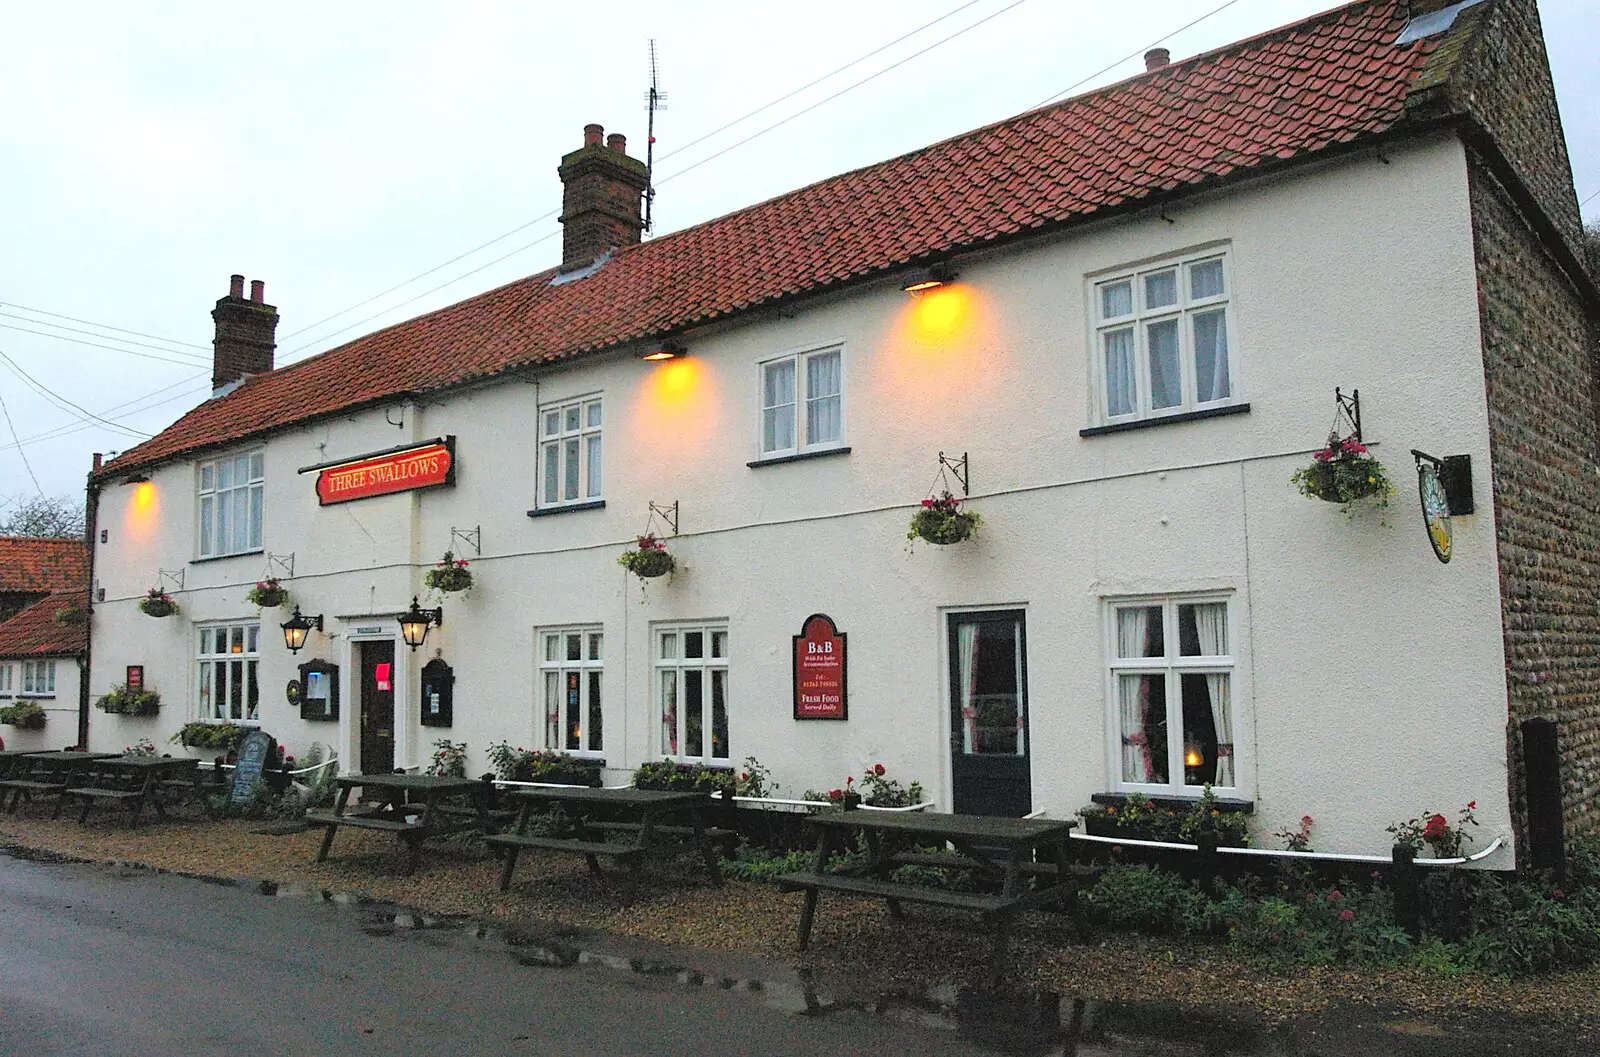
point(540, 765)
point(1149, 899)
point(24, 715)
point(223, 737)
point(669, 774)
point(449, 759)
point(123, 701)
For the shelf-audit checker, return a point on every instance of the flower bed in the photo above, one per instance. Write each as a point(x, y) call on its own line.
point(669, 774)
point(540, 765)
point(1140, 818)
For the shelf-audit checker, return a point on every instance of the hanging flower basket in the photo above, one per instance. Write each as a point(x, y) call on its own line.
point(157, 603)
point(648, 559)
point(125, 702)
point(449, 576)
point(268, 593)
point(1344, 472)
point(942, 521)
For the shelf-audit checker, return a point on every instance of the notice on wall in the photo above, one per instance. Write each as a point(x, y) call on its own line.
point(382, 672)
point(819, 670)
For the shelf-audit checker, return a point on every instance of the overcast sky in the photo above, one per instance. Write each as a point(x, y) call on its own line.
point(335, 150)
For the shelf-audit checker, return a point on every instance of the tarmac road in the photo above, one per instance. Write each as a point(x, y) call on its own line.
point(97, 960)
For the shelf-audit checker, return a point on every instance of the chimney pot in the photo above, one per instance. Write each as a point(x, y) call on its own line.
point(236, 286)
point(617, 142)
point(1156, 58)
point(244, 340)
point(592, 135)
point(258, 291)
point(601, 198)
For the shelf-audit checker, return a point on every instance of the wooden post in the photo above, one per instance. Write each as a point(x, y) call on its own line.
point(1541, 777)
point(1407, 904)
point(1208, 861)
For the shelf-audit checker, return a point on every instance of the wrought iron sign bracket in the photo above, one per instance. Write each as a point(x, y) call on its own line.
point(164, 577)
point(1455, 477)
point(284, 562)
point(473, 539)
point(668, 514)
point(958, 468)
point(1348, 407)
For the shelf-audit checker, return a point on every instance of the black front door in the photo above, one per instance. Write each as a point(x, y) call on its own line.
point(989, 714)
point(377, 706)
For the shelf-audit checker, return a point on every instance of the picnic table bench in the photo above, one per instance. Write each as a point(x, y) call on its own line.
point(1001, 849)
point(409, 808)
point(132, 782)
point(44, 773)
point(587, 834)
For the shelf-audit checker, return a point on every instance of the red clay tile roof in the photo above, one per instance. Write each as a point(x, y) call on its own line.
point(1284, 95)
point(34, 632)
point(29, 563)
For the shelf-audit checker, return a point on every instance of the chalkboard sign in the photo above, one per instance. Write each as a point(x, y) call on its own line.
point(254, 752)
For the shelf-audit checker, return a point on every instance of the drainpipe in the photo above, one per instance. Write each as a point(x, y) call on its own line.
point(91, 516)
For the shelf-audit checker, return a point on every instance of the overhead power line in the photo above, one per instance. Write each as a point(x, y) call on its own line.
point(1591, 198)
point(546, 216)
point(74, 330)
point(97, 345)
point(63, 403)
point(102, 326)
point(13, 428)
point(80, 426)
point(1133, 55)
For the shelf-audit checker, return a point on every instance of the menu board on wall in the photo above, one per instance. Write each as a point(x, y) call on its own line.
point(820, 670)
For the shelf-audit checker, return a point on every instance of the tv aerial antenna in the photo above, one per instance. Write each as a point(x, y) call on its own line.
point(654, 99)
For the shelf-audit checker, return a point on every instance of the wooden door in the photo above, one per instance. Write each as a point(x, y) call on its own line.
point(377, 706)
point(990, 773)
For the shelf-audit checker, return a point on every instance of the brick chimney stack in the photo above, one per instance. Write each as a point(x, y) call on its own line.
point(602, 196)
point(245, 332)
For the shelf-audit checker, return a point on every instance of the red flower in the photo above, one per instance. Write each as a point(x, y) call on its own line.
point(1347, 915)
point(1472, 805)
point(1335, 896)
point(877, 768)
point(1437, 824)
point(835, 794)
point(927, 502)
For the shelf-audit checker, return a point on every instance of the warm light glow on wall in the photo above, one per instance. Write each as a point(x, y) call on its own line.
point(144, 495)
point(676, 410)
point(943, 314)
point(139, 517)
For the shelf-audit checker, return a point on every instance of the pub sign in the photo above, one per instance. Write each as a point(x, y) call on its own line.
point(404, 469)
point(820, 670)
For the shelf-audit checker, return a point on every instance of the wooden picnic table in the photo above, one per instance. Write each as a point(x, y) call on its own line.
point(45, 773)
point(409, 807)
point(626, 825)
point(133, 782)
point(1003, 849)
point(13, 759)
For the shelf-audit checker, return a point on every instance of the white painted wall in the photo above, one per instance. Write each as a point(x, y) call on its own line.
point(1370, 676)
point(60, 709)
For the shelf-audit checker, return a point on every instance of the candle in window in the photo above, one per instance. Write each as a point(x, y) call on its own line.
point(1192, 756)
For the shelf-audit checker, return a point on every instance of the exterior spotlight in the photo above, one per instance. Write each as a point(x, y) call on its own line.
point(297, 627)
point(414, 623)
point(928, 278)
point(667, 350)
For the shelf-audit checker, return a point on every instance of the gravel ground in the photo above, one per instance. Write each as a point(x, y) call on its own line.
point(674, 904)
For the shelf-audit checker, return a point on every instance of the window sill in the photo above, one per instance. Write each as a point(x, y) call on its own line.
point(1177, 803)
point(1165, 420)
point(569, 508)
point(225, 557)
point(801, 457)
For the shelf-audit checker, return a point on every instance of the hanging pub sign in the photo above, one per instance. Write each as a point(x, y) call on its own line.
point(820, 670)
point(1435, 507)
point(404, 469)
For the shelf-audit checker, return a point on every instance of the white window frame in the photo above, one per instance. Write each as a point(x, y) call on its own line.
point(38, 679)
point(1139, 320)
point(5, 679)
point(591, 483)
point(212, 679)
point(1173, 667)
point(590, 663)
point(675, 667)
point(802, 401)
point(210, 500)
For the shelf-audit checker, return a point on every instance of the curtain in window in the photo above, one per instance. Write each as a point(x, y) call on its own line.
point(1166, 382)
point(1210, 356)
point(1211, 622)
point(777, 402)
point(1133, 698)
point(967, 673)
point(822, 399)
point(1121, 393)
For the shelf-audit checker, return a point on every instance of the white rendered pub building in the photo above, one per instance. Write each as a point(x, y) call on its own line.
point(1114, 327)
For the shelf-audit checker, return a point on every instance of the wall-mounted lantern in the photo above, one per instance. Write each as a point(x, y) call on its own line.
point(297, 627)
point(928, 278)
point(667, 350)
point(414, 623)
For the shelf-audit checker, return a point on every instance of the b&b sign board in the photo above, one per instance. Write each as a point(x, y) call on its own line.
point(820, 670)
point(254, 752)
